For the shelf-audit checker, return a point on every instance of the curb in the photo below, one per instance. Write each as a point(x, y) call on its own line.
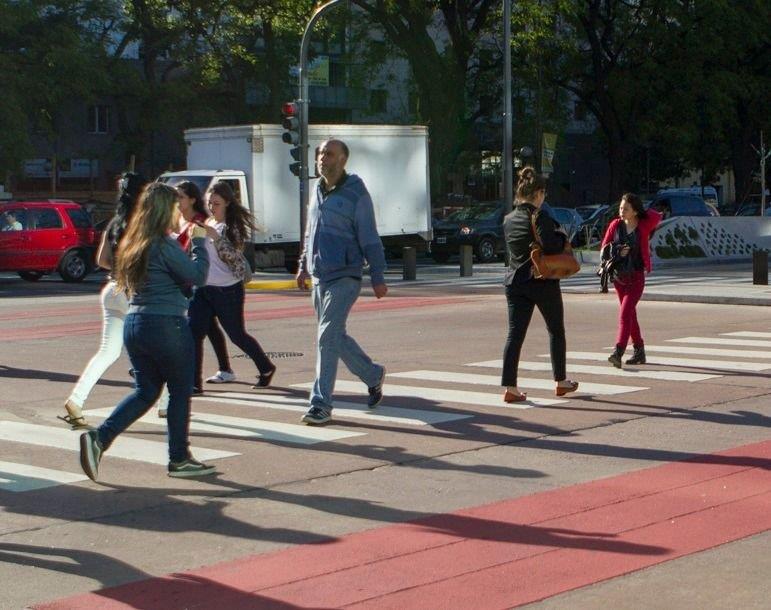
point(271, 285)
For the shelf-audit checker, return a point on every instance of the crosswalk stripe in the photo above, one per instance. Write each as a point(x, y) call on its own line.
point(522, 382)
point(151, 452)
point(605, 370)
point(250, 428)
point(23, 477)
point(708, 351)
point(343, 409)
point(717, 365)
point(746, 333)
point(444, 395)
point(719, 341)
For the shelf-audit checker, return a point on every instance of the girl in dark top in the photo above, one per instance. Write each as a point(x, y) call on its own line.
point(114, 303)
point(630, 235)
point(524, 292)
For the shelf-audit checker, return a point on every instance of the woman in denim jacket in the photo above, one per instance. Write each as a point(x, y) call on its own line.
point(155, 273)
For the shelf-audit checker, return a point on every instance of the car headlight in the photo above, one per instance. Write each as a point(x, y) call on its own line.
point(466, 230)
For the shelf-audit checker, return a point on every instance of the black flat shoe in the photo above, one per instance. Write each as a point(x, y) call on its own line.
point(264, 380)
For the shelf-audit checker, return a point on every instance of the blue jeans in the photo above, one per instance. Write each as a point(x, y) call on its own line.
point(226, 304)
point(160, 349)
point(332, 302)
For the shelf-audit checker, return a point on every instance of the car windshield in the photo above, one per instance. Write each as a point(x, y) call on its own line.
point(476, 213)
point(202, 182)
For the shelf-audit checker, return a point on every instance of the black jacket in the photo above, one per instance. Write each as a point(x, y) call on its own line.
point(518, 233)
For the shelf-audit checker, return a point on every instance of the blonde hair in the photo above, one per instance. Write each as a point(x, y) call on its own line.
point(155, 213)
point(529, 183)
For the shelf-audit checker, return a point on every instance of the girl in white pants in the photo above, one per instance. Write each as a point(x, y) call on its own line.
point(114, 305)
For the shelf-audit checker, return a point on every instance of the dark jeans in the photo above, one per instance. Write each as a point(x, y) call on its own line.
point(217, 340)
point(227, 305)
point(522, 299)
point(159, 348)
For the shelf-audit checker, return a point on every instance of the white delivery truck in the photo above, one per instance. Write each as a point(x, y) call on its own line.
point(391, 159)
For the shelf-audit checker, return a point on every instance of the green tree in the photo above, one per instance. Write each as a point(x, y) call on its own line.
point(443, 41)
point(49, 57)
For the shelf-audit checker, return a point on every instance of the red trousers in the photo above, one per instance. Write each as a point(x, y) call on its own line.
point(629, 291)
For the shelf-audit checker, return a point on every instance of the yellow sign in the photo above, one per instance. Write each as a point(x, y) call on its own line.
point(547, 152)
point(318, 71)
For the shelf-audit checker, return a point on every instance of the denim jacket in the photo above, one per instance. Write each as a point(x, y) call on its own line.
point(342, 233)
point(169, 273)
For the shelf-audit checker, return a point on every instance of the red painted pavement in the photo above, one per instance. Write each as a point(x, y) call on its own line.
point(50, 331)
point(494, 556)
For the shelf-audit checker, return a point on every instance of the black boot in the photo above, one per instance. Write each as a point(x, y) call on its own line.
point(615, 357)
point(638, 357)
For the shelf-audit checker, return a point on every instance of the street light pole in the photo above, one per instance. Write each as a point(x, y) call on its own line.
point(303, 104)
point(508, 177)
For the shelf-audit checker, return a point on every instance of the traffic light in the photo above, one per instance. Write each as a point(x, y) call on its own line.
point(291, 123)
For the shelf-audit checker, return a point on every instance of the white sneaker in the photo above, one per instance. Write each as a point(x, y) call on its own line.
point(222, 377)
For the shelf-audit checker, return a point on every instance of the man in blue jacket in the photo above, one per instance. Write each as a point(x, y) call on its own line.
point(341, 233)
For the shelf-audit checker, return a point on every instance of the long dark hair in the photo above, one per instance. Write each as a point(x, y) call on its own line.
point(237, 217)
point(129, 187)
point(191, 190)
point(636, 203)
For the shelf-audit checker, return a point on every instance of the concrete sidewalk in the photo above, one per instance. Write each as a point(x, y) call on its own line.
point(724, 284)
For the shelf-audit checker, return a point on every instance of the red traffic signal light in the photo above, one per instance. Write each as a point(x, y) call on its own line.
point(291, 122)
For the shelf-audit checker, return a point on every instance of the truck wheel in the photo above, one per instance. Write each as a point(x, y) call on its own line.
point(73, 267)
point(486, 250)
point(30, 276)
point(440, 257)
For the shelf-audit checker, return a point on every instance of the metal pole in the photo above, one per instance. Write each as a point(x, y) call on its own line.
point(303, 104)
point(508, 176)
point(763, 157)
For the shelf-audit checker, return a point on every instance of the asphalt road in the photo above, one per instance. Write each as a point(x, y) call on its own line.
point(441, 441)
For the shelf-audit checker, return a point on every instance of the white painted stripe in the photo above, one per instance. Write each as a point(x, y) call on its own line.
point(719, 341)
point(343, 409)
point(250, 428)
point(444, 395)
point(747, 333)
point(708, 351)
point(717, 365)
point(151, 452)
point(23, 477)
point(522, 382)
point(606, 370)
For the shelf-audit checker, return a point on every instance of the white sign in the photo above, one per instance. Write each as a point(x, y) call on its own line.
point(68, 168)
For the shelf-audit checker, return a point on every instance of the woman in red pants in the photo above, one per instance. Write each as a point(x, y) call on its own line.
point(629, 235)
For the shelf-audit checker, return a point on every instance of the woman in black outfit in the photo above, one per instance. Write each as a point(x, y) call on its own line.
point(524, 292)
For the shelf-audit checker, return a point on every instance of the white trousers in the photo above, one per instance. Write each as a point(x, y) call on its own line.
point(114, 310)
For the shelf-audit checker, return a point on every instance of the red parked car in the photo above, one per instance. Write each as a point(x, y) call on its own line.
point(39, 237)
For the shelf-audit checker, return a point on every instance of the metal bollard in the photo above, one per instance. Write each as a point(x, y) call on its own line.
point(466, 261)
point(760, 267)
point(409, 263)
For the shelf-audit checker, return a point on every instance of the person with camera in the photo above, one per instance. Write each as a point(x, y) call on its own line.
point(629, 239)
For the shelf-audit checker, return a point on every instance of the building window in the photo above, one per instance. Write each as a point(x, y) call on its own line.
point(98, 119)
point(378, 100)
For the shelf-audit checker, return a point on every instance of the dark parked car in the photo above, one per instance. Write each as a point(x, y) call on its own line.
point(480, 226)
point(681, 205)
point(39, 237)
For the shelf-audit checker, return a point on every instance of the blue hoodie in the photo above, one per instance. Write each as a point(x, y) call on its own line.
point(341, 233)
